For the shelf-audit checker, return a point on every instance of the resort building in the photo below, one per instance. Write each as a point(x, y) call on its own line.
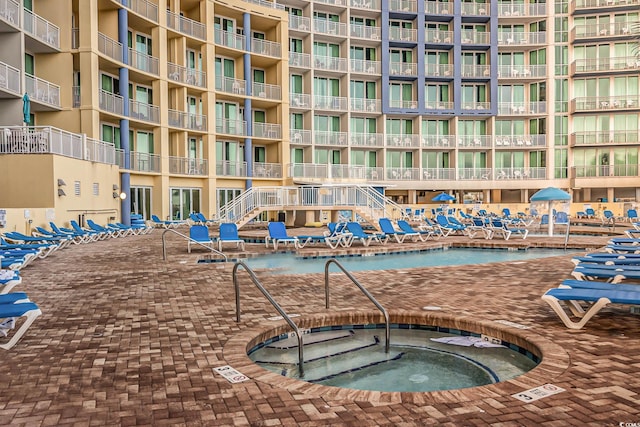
point(172, 106)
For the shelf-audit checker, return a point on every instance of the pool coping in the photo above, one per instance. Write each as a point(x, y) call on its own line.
point(555, 360)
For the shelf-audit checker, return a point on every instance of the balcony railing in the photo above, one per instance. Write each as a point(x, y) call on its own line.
point(603, 30)
point(143, 62)
point(438, 141)
point(330, 102)
point(403, 34)
point(231, 126)
point(187, 166)
point(475, 105)
point(41, 29)
point(186, 75)
point(231, 85)
point(517, 10)
point(111, 103)
point(403, 6)
point(605, 137)
point(300, 136)
point(366, 105)
point(535, 38)
point(330, 63)
point(475, 141)
point(267, 130)
point(403, 69)
point(431, 104)
point(438, 8)
point(477, 9)
point(75, 38)
point(268, 91)
point(143, 8)
point(365, 32)
point(594, 4)
point(229, 39)
point(402, 140)
point(366, 4)
point(10, 78)
point(364, 66)
point(186, 26)
point(593, 171)
point(140, 162)
point(267, 170)
point(181, 119)
point(439, 70)
point(323, 26)
point(475, 37)
point(267, 3)
point(299, 60)
point(520, 141)
point(475, 71)
point(266, 47)
point(300, 23)
point(410, 104)
point(519, 173)
point(625, 63)
point(522, 71)
point(9, 11)
point(228, 168)
point(366, 139)
point(42, 91)
point(143, 111)
point(75, 95)
point(589, 103)
point(438, 36)
point(300, 100)
point(330, 138)
point(110, 47)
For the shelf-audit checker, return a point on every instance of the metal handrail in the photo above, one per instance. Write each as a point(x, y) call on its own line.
point(364, 291)
point(164, 246)
point(269, 298)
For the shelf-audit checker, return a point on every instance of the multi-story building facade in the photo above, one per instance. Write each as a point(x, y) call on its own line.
point(183, 104)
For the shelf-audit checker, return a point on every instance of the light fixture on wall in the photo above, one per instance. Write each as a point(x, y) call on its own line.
point(61, 192)
point(61, 182)
point(120, 196)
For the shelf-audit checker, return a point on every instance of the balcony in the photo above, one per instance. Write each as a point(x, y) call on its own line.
point(585, 5)
point(143, 62)
point(330, 138)
point(402, 174)
point(438, 8)
point(299, 23)
point(75, 92)
point(365, 105)
point(475, 105)
point(604, 138)
point(475, 37)
point(191, 121)
point(409, 104)
point(605, 103)
point(519, 10)
point(522, 108)
point(42, 30)
point(322, 26)
point(365, 32)
point(231, 126)
point(188, 166)
point(231, 85)
point(267, 130)
point(365, 67)
point(437, 141)
point(366, 4)
point(111, 103)
point(42, 91)
point(522, 39)
point(519, 173)
point(476, 71)
point(403, 35)
point(439, 174)
point(300, 136)
point(410, 6)
point(10, 79)
point(474, 173)
point(402, 140)
point(597, 171)
point(299, 60)
point(438, 36)
point(330, 102)
point(520, 141)
point(403, 69)
point(267, 91)
point(366, 139)
point(522, 71)
point(267, 170)
point(229, 39)
point(141, 162)
point(431, 104)
point(300, 100)
point(144, 112)
point(614, 29)
point(228, 168)
point(266, 47)
point(605, 65)
point(10, 13)
point(186, 26)
point(143, 8)
point(109, 47)
point(330, 63)
point(438, 70)
point(185, 75)
point(267, 3)
point(474, 9)
point(475, 141)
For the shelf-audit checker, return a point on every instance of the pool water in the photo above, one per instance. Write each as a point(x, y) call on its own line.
point(289, 263)
point(356, 359)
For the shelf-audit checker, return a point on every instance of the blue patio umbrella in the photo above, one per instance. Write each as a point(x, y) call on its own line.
point(26, 108)
point(443, 197)
point(550, 195)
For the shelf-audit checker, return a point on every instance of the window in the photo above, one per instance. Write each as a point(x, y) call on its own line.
point(323, 86)
point(29, 64)
point(141, 201)
point(184, 201)
point(109, 84)
point(436, 95)
point(228, 118)
point(401, 95)
point(143, 142)
point(110, 133)
point(295, 45)
point(296, 121)
point(362, 89)
point(474, 96)
point(224, 71)
point(399, 126)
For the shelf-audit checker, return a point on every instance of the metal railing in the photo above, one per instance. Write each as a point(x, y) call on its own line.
point(111, 102)
point(186, 26)
point(9, 10)
point(143, 62)
point(186, 120)
point(143, 8)
point(229, 39)
point(273, 302)
point(365, 66)
point(143, 111)
point(186, 75)
point(366, 293)
point(41, 90)
point(266, 47)
point(265, 90)
point(187, 166)
point(9, 78)
point(109, 47)
point(41, 29)
point(297, 59)
point(267, 130)
point(231, 126)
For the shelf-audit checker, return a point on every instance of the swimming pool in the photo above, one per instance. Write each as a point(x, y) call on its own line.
point(289, 263)
point(353, 357)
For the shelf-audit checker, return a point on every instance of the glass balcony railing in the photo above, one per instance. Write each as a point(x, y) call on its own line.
point(605, 137)
point(605, 103)
point(530, 38)
point(625, 63)
point(522, 71)
point(518, 10)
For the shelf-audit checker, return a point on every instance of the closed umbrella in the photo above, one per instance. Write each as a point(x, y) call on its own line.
point(550, 195)
point(26, 109)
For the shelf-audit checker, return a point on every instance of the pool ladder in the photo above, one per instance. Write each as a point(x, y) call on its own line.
point(288, 319)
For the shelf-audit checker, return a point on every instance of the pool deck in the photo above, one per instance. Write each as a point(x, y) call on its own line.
point(129, 339)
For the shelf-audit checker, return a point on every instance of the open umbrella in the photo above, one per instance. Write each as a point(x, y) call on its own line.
point(26, 108)
point(550, 195)
point(443, 197)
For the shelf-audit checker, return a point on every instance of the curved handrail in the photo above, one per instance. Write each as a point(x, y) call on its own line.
point(364, 291)
point(269, 298)
point(164, 244)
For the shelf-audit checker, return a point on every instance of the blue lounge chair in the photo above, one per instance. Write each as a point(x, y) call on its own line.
point(8, 280)
point(388, 229)
point(12, 306)
point(479, 226)
point(336, 235)
point(17, 237)
point(611, 273)
point(596, 298)
point(278, 234)
point(590, 213)
point(199, 236)
point(229, 234)
point(96, 235)
point(157, 222)
point(80, 237)
point(108, 231)
point(412, 233)
point(445, 225)
point(45, 248)
point(502, 228)
point(434, 228)
point(358, 234)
